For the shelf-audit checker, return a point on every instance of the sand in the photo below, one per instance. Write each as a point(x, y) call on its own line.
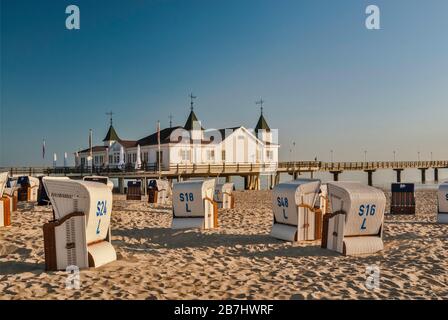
point(239, 260)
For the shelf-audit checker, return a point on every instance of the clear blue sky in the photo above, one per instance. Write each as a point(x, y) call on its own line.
point(328, 82)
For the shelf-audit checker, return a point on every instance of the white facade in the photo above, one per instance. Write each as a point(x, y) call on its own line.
point(227, 146)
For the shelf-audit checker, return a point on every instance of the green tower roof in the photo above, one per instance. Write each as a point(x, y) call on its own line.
point(111, 135)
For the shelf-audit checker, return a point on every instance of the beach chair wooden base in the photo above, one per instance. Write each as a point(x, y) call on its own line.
point(5, 212)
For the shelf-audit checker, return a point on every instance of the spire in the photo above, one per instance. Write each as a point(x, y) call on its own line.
point(192, 97)
point(192, 119)
point(262, 124)
point(111, 133)
point(110, 114)
point(171, 120)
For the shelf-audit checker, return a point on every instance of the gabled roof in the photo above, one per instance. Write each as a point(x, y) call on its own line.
point(262, 124)
point(111, 135)
point(190, 121)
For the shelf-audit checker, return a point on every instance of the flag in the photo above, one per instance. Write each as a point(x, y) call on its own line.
point(43, 149)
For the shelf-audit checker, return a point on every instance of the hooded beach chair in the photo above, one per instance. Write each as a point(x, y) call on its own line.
point(100, 179)
point(295, 216)
point(28, 188)
point(354, 224)
point(402, 198)
point(159, 191)
point(10, 192)
point(193, 205)
point(224, 195)
point(134, 190)
point(442, 203)
point(5, 204)
point(80, 232)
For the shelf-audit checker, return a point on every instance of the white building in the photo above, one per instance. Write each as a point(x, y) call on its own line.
point(190, 144)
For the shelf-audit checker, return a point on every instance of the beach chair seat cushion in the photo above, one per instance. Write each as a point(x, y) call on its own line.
point(362, 245)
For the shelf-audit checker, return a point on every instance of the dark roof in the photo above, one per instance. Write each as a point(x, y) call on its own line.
point(128, 143)
point(152, 139)
point(94, 149)
point(190, 121)
point(111, 135)
point(262, 124)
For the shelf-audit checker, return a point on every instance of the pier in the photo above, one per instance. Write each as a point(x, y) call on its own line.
point(251, 172)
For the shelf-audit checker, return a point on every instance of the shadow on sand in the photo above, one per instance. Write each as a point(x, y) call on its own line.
point(15, 267)
point(193, 238)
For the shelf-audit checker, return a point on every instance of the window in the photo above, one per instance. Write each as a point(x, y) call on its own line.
point(270, 154)
point(96, 159)
point(134, 157)
point(184, 154)
point(210, 154)
point(111, 159)
point(83, 161)
point(145, 156)
point(223, 155)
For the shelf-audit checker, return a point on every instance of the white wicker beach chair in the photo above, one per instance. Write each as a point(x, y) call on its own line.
point(295, 217)
point(100, 179)
point(193, 205)
point(159, 191)
point(354, 225)
point(80, 232)
point(10, 192)
point(442, 203)
point(224, 195)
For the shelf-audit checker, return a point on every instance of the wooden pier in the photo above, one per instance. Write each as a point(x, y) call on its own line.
point(251, 172)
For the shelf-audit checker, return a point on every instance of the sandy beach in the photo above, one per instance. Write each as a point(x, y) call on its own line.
point(239, 260)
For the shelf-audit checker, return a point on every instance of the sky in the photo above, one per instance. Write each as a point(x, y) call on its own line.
point(327, 81)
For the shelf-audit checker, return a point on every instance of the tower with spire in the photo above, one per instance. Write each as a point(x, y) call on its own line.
point(111, 135)
point(262, 129)
point(193, 125)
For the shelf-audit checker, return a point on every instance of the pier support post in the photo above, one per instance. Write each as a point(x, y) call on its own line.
point(121, 185)
point(228, 179)
point(436, 175)
point(423, 171)
point(296, 174)
point(398, 172)
point(246, 182)
point(277, 178)
point(312, 174)
point(145, 186)
point(335, 175)
point(369, 176)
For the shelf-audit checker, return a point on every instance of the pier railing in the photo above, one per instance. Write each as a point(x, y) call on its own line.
point(228, 169)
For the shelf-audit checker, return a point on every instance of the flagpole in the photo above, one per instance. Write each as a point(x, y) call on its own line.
point(158, 146)
point(90, 146)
